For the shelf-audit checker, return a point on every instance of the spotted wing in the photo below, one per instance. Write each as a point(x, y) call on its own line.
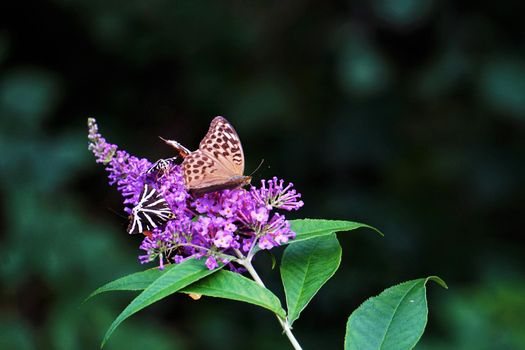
point(219, 161)
point(151, 211)
point(222, 144)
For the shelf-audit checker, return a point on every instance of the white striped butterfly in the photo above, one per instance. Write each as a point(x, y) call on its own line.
point(162, 165)
point(218, 164)
point(151, 211)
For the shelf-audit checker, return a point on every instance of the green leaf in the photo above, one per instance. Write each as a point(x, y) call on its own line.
point(179, 276)
point(311, 228)
point(395, 319)
point(222, 284)
point(135, 281)
point(305, 268)
point(230, 285)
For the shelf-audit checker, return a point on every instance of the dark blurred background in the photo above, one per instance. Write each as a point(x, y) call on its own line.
point(408, 115)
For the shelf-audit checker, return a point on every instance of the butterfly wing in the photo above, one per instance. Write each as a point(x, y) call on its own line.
point(151, 211)
point(222, 143)
point(162, 165)
point(219, 161)
point(183, 151)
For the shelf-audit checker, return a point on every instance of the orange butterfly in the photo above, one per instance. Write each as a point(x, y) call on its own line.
point(218, 164)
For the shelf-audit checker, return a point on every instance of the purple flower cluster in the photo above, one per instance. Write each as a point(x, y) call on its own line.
point(218, 226)
point(124, 170)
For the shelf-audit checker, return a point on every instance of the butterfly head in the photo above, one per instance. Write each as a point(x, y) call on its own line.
point(239, 181)
point(245, 180)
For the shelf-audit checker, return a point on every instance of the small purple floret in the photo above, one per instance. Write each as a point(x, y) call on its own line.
point(211, 263)
point(214, 225)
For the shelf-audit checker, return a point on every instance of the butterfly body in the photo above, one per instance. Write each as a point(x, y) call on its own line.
point(218, 164)
point(232, 183)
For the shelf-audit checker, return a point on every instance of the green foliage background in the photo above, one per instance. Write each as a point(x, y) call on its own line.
point(408, 115)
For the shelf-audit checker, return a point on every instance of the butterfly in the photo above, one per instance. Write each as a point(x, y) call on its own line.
point(218, 164)
point(161, 165)
point(151, 211)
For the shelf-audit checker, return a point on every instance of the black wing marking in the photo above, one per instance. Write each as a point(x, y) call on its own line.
point(162, 165)
point(151, 211)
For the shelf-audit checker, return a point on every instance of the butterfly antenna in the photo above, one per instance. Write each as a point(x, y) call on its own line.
point(260, 164)
point(116, 213)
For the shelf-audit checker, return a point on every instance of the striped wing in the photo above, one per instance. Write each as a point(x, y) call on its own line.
point(162, 165)
point(151, 211)
point(219, 161)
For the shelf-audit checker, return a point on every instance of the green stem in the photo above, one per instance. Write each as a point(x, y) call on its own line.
point(247, 263)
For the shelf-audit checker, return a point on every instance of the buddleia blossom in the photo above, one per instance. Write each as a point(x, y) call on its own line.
point(156, 245)
point(102, 150)
point(126, 171)
point(214, 226)
point(171, 186)
point(274, 194)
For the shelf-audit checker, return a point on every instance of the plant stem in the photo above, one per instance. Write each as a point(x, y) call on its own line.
point(282, 321)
